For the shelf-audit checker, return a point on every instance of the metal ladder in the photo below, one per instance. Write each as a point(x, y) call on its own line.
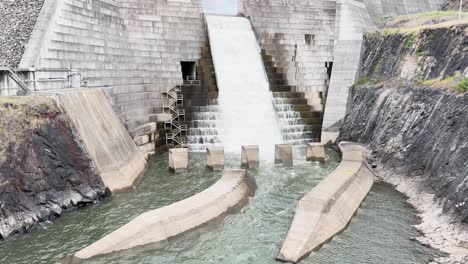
point(176, 133)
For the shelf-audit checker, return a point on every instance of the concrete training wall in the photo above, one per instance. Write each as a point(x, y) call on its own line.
point(231, 192)
point(132, 47)
point(352, 21)
point(328, 208)
point(106, 140)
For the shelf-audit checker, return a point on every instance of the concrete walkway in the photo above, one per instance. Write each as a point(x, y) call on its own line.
point(329, 207)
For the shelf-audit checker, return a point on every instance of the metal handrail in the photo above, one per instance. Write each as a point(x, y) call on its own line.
point(174, 136)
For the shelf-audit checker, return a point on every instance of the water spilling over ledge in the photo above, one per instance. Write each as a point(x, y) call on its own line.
point(247, 115)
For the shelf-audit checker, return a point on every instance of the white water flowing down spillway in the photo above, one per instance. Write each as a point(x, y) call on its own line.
point(247, 114)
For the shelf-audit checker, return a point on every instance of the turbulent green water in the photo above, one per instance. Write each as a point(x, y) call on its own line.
point(379, 233)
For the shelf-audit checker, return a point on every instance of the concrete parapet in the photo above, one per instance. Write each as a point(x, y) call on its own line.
point(284, 154)
point(316, 152)
point(228, 195)
point(178, 159)
point(250, 156)
point(328, 208)
point(215, 158)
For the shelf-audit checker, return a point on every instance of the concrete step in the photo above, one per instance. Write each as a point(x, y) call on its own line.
point(288, 94)
point(278, 82)
point(298, 101)
point(199, 88)
point(200, 95)
point(199, 102)
point(283, 88)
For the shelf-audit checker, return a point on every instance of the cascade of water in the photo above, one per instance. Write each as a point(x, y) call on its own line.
point(247, 114)
point(295, 129)
point(203, 127)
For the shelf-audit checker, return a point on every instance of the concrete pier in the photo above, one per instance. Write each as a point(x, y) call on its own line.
point(284, 154)
point(178, 159)
point(215, 158)
point(316, 152)
point(227, 195)
point(328, 208)
point(250, 156)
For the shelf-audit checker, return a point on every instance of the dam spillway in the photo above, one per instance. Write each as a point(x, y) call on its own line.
point(132, 78)
point(247, 115)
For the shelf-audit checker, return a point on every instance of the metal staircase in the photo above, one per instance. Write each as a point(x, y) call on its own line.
point(176, 133)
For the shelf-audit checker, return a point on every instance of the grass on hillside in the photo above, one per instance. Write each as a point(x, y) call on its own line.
point(456, 83)
point(415, 22)
point(462, 85)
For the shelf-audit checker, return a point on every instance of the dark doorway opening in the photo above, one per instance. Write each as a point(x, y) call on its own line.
point(329, 66)
point(189, 70)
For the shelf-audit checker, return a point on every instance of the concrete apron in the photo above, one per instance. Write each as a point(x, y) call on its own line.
point(329, 207)
point(158, 226)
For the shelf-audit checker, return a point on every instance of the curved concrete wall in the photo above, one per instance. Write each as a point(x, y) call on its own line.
point(105, 138)
point(328, 208)
point(160, 225)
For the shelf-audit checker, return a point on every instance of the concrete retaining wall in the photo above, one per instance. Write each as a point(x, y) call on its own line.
point(328, 208)
point(106, 140)
point(158, 226)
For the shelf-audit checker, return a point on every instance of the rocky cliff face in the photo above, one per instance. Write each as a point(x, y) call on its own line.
point(418, 132)
point(427, 54)
point(43, 168)
point(454, 5)
point(17, 20)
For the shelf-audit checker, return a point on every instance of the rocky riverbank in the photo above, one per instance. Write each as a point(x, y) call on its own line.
point(419, 142)
point(43, 168)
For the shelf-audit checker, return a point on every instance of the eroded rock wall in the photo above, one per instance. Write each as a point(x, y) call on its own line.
point(427, 54)
point(43, 168)
point(454, 5)
point(418, 132)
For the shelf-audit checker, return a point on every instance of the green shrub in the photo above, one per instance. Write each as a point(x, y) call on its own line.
point(462, 86)
point(409, 41)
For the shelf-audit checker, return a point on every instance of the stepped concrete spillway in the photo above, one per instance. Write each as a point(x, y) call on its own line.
point(245, 100)
point(328, 208)
point(105, 138)
point(227, 195)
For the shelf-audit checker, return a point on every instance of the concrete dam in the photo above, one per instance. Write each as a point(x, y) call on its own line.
point(157, 131)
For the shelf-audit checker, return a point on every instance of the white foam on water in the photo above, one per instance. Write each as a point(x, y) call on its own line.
point(247, 113)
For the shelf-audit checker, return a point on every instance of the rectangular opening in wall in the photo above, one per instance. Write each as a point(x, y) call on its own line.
point(189, 70)
point(329, 66)
point(310, 39)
